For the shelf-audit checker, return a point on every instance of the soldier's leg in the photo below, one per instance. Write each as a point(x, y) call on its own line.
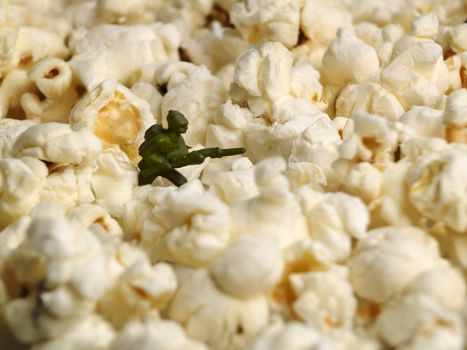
point(174, 176)
point(146, 176)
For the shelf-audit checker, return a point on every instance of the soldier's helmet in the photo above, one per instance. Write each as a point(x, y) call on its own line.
point(177, 122)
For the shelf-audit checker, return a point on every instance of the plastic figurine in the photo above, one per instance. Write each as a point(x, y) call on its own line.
point(163, 150)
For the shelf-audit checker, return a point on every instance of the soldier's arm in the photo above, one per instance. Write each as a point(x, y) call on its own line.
point(198, 156)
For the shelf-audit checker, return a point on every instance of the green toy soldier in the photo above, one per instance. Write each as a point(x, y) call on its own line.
point(163, 150)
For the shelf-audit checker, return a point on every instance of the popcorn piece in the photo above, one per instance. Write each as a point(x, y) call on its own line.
point(392, 205)
point(417, 75)
point(454, 64)
point(136, 211)
point(334, 220)
point(370, 98)
point(370, 33)
point(193, 91)
point(10, 129)
point(123, 13)
point(193, 234)
point(20, 182)
point(264, 214)
point(320, 20)
point(92, 333)
point(64, 271)
point(292, 335)
point(363, 179)
point(437, 186)
point(325, 300)
point(27, 44)
point(392, 33)
point(374, 11)
point(458, 38)
point(266, 20)
point(454, 116)
point(267, 74)
point(230, 186)
point(303, 256)
point(423, 121)
point(215, 47)
point(140, 289)
point(373, 139)
point(13, 86)
point(69, 185)
point(208, 315)
point(99, 55)
point(186, 16)
point(307, 138)
point(91, 216)
point(229, 124)
point(418, 322)
point(151, 95)
point(248, 267)
point(57, 143)
point(155, 334)
point(116, 116)
point(444, 284)
point(387, 259)
point(425, 26)
point(114, 179)
point(349, 60)
point(10, 239)
point(56, 95)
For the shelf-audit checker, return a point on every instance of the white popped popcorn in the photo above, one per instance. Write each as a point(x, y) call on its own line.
point(215, 47)
point(387, 259)
point(419, 322)
point(58, 143)
point(458, 37)
point(248, 267)
point(267, 20)
point(267, 74)
point(446, 170)
point(208, 315)
point(454, 116)
point(56, 95)
point(69, 185)
point(140, 289)
point(292, 335)
point(320, 20)
point(193, 91)
point(335, 219)
point(325, 299)
point(423, 121)
point(10, 129)
point(113, 179)
point(263, 214)
point(370, 98)
point(349, 60)
point(115, 115)
point(20, 183)
point(13, 86)
point(425, 26)
point(25, 45)
point(99, 55)
point(155, 334)
point(417, 75)
point(444, 284)
point(186, 229)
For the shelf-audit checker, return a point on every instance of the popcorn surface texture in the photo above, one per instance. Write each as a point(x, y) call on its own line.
point(342, 227)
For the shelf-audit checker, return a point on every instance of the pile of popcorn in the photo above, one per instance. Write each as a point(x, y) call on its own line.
point(344, 226)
